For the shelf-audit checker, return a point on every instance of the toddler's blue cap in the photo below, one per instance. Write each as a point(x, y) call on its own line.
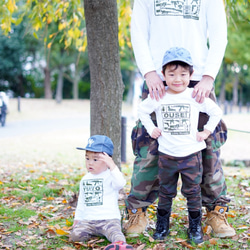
point(177, 54)
point(99, 143)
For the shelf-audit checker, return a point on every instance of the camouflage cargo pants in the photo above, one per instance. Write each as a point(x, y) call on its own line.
point(86, 229)
point(144, 181)
point(190, 169)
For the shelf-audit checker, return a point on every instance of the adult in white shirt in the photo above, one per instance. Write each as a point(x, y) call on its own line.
point(156, 26)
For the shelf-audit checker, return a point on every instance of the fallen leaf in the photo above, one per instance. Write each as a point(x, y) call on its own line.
point(174, 215)
point(61, 232)
point(141, 247)
point(213, 241)
point(32, 199)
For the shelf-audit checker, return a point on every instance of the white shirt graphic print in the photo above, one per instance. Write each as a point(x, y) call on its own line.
point(176, 118)
point(188, 9)
point(93, 190)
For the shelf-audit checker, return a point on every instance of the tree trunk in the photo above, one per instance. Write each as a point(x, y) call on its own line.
point(75, 84)
point(59, 87)
point(104, 62)
point(20, 87)
point(235, 89)
point(47, 84)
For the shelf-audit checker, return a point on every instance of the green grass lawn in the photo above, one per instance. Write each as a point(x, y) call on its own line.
point(38, 204)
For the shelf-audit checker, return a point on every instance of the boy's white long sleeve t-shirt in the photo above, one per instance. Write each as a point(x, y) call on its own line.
point(98, 196)
point(177, 116)
point(156, 26)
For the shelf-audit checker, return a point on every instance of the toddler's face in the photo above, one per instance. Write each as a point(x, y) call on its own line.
point(93, 163)
point(177, 79)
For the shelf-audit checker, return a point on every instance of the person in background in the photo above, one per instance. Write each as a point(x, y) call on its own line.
point(97, 212)
point(4, 103)
point(201, 28)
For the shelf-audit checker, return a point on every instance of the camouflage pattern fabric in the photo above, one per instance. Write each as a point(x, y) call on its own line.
point(144, 181)
point(190, 169)
point(87, 229)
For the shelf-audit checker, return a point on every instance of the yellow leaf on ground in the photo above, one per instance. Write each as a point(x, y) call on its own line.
point(247, 194)
point(61, 232)
point(32, 199)
point(68, 223)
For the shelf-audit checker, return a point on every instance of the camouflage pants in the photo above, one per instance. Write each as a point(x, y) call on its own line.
point(86, 229)
point(190, 169)
point(144, 181)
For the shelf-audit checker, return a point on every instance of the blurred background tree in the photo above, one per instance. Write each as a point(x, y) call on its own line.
point(43, 50)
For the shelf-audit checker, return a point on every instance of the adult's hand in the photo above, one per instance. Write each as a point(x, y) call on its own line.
point(203, 88)
point(155, 85)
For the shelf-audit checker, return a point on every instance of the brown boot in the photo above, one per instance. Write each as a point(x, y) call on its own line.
point(137, 222)
point(217, 219)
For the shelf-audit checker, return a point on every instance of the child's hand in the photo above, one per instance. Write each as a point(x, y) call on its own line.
point(203, 135)
point(108, 160)
point(156, 133)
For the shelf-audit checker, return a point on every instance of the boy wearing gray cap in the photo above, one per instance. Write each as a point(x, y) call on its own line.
point(180, 143)
point(97, 212)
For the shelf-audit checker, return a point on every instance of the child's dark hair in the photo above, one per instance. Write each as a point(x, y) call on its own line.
point(177, 64)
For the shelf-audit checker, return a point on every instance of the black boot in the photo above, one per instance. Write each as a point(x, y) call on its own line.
point(162, 225)
point(195, 233)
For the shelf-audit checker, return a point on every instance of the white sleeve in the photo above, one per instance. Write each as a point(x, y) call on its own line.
point(217, 33)
point(214, 112)
point(145, 108)
point(80, 204)
point(118, 179)
point(140, 23)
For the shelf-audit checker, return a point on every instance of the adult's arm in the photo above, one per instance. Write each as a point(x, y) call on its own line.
point(217, 33)
point(140, 32)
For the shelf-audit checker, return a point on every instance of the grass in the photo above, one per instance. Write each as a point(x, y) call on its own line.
point(39, 209)
point(39, 182)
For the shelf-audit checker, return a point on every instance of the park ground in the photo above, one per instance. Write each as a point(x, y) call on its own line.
point(40, 170)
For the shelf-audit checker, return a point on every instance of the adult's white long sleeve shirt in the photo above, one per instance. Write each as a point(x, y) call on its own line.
point(177, 116)
point(157, 26)
point(98, 196)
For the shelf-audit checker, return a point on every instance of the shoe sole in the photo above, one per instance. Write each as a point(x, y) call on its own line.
point(224, 235)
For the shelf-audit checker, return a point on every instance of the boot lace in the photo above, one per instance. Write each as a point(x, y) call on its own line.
point(133, 219)
point(221, 216)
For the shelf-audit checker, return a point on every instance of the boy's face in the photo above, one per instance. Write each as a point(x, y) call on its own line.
point(177, 79)
point(93, 163)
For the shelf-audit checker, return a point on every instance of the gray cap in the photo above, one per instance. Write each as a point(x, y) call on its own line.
point(177, 54)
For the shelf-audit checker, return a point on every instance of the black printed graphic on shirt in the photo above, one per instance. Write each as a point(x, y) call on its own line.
point(176, 118)
point(188, 9)
point(93, 192)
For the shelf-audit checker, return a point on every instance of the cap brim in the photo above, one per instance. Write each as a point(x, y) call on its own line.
point(87, 149)
point(81, 148)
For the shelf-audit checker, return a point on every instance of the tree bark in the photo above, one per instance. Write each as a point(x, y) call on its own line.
point(59, 87)
point(104, 62)
point(235, 88)
point(47, 84)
